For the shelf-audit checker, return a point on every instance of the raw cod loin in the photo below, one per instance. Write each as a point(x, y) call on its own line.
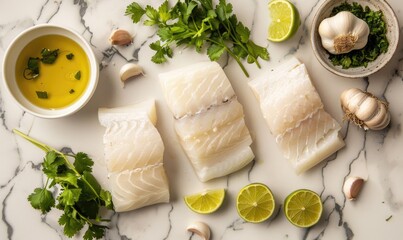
point(293, 110)
point(134, 156)
point(209, 120)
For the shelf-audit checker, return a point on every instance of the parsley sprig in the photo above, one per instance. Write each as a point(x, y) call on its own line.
point(196, 23)
point(80, 196)
point(377, 41)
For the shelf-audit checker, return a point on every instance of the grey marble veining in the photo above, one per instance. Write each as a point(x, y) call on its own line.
point(376, 156)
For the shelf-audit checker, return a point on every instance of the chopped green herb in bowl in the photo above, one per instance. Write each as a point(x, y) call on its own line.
point(377, 41)
point(379, 47)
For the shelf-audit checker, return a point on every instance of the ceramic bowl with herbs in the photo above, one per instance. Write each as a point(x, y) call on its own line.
point(50, 71)
point(354, 38)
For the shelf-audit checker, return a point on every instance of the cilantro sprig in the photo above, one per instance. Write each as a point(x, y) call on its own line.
point(377, 40)
point(79, 194)
point(198, 23)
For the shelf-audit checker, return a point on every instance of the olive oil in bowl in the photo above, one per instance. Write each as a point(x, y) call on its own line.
point(52, 71)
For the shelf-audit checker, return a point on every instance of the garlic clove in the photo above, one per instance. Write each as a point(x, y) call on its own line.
point(352, 98)
point(201, 229)
point(367, 108)
point(130, 70)
point(120, 37)
point(352, 187)
point(381, 119)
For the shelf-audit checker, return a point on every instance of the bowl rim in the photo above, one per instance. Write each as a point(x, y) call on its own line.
point(316, 45)
point(59, 112)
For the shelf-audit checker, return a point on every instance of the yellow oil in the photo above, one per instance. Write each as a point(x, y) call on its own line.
point(57, 79)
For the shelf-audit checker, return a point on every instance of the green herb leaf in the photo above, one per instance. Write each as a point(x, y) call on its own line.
point(49, 56)
point(135, 11)
point(80, 196)
point(89, 191)
point(199, 23)
point(42, 94)
point(67, 178)
point(215, 51)
point(70, 56)
point(107, 198)
point(163, 11)
point(41, 199)
point(71, 224)
point(83, 163)
point(243, 32)
point(69, 197)
point(94, 232)
point(152, 14)
point(77, 75)
point(32, 70)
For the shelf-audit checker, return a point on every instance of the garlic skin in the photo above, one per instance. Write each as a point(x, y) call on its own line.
point(201, 229)
point(352, 187)
point(343, 33)
point(364, 109)
point(120, 37)
point(130, 70)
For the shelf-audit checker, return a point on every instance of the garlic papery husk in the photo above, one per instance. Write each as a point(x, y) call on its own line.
point(120, 37)
point(343, 33)
point(364, 109)
point(201, 229)
point(352, 187)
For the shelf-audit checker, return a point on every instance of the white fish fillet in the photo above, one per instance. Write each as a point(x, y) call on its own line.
point(134, 156)
point(294, 112)
point(209, 120)
point(195, 88)
point(132, 144)
point(138, 188)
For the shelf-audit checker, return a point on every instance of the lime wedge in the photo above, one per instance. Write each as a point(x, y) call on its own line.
point(205, 202)
point(285, 20)
point(303, 208)
point(255, 203)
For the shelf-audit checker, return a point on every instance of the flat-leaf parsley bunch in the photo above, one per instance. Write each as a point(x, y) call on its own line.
point(80, 196)
point(195, 23)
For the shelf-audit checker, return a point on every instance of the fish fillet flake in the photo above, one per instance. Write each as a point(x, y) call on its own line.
point(133, 152)
point(209, 120)
point(294, 112)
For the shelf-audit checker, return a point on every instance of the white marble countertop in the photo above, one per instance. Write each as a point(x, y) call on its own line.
point(376, 156)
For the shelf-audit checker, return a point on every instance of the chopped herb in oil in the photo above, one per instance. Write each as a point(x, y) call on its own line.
point(42, 94)
point(70, 56)
point(77, 75)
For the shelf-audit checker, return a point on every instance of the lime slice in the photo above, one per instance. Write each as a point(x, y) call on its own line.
point(205, 202)
point(284, 20)
point(303, 208)
point(255, 203)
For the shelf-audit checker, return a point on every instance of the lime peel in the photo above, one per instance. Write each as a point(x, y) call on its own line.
point(255, 203)
point(285, 20)
point(205, 202)
point(303, 208)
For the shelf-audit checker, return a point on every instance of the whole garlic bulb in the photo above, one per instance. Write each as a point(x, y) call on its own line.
point(343, 33)
point(364, 109)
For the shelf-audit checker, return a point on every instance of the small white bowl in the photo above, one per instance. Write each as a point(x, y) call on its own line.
point(10, 59)
point(392, 34)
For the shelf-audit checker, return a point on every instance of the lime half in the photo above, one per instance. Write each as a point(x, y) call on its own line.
point(303, 208)
point(205, 202)
point(285, 20)
point(255, 203)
